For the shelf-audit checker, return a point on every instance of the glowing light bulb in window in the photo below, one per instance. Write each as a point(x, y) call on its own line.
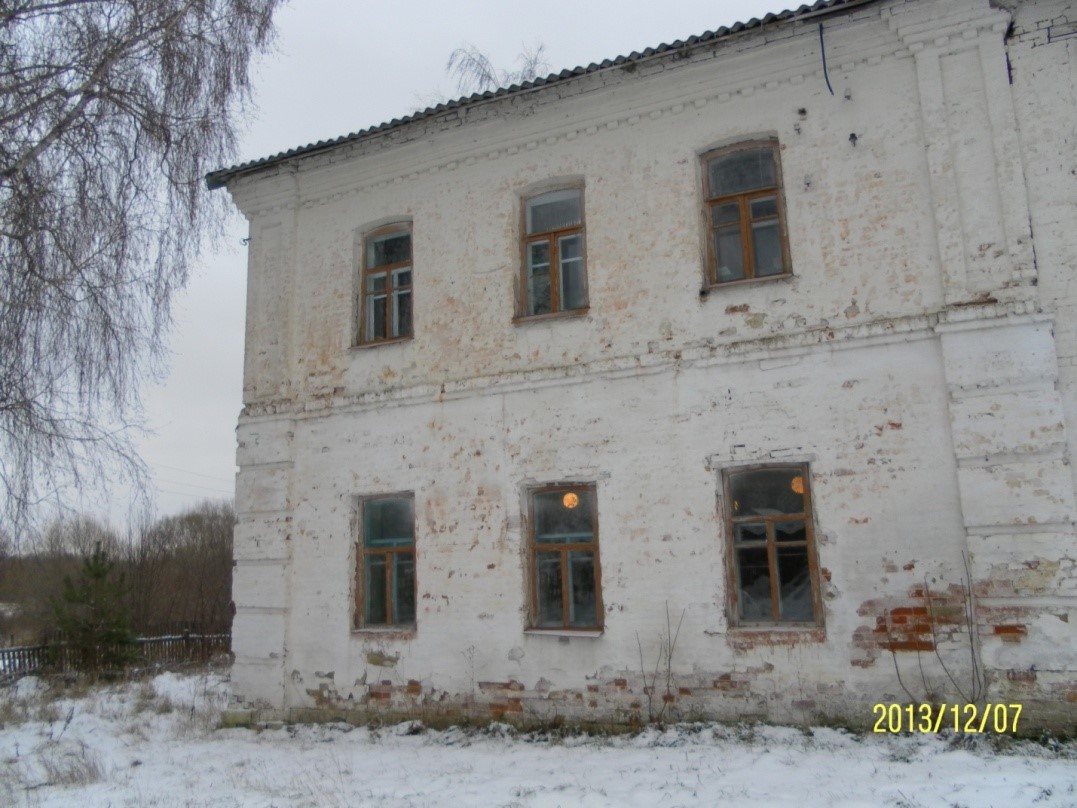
point(797, 485)
point(570, 500)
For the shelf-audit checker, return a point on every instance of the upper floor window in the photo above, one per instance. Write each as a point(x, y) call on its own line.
point(565, 580)
point(385, 563)
point(555, 274)
point(385, 283)
point(773, 568)
point(743, 186)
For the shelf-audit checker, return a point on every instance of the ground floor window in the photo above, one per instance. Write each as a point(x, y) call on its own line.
point(385, 574)
point(565, 579)
point(773, 567)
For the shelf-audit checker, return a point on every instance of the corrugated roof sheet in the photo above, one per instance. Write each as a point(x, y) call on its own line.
point(217, 179)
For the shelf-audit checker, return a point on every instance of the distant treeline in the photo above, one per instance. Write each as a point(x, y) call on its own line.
point(175, 572)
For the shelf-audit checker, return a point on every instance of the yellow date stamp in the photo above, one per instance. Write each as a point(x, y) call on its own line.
point(964, 718)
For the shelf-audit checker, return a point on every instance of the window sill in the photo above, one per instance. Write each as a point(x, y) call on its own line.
point(713, 286)
point(403, 632)
point(564, 632)
point(524, 319)
point(379, 342)
point(773, 634)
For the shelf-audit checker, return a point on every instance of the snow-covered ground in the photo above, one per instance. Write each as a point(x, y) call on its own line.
point(155, 744)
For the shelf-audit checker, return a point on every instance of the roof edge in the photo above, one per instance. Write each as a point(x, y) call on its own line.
point(221, 177)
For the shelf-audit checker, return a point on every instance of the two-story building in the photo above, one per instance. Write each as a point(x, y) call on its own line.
point(733, 378)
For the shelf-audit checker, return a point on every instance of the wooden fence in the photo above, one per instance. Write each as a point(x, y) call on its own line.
point(169, 649)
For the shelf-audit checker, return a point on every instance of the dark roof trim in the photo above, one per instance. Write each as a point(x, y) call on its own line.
point(221, 177)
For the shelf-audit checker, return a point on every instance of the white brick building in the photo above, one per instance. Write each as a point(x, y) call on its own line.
point(684, 333)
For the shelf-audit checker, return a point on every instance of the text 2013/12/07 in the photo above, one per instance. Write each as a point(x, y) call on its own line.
point(970, 718)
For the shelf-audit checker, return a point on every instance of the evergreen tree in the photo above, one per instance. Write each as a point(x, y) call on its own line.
point(93, 617)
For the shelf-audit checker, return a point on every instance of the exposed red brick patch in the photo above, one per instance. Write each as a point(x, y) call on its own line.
point(804, 704)
point(512, 684)
point(1011, 633)
point(414, 688)
point(727, 683)
point(909, 645)
point(1023, 677)
point(741, 309)
point(918, 622)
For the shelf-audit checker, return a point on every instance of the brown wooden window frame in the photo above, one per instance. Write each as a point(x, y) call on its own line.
point(733, 567)
point(554, 239)
point(366, 271)
point(363, 554)
point(743, 200)
point(535, 547)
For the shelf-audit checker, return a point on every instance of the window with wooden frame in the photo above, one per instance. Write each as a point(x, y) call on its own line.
point(565, 578)
point(554, 267)
point(385, 574)
point(745, 213)
point(773, 570)
point(385, 285)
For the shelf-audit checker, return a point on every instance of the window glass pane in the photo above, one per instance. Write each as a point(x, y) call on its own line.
point(402, 277)
point(794, 583)
point(388, 522)
point(573, 286)
point(573, 278)
point(375, 589)
point(375, 283)
point(730, 257)
point(548, 589)
point(749, 532)
point(375, 317)
point(569, 248)
point(403, 588)
point(563, 517)
point(725, 214)
point(388, 249)
point(742, 171)
point(581, 565)
point(538, 287)
point(764, 207)
point(538, 254)
point(402, 314)
point(753, 575)
point(553, 211)
point(790, 531)
point(767, 492)
point(768, 248)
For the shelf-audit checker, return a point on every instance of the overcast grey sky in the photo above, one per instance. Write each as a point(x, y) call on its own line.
point(339, 67)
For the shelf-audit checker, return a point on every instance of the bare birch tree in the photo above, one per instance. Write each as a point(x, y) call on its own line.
point(111, 112)
point(475, 73)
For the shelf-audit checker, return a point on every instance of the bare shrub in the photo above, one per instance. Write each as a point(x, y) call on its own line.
point(71, 765)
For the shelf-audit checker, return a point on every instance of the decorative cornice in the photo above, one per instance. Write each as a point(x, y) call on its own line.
point(960, 25)
point(700, 354)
